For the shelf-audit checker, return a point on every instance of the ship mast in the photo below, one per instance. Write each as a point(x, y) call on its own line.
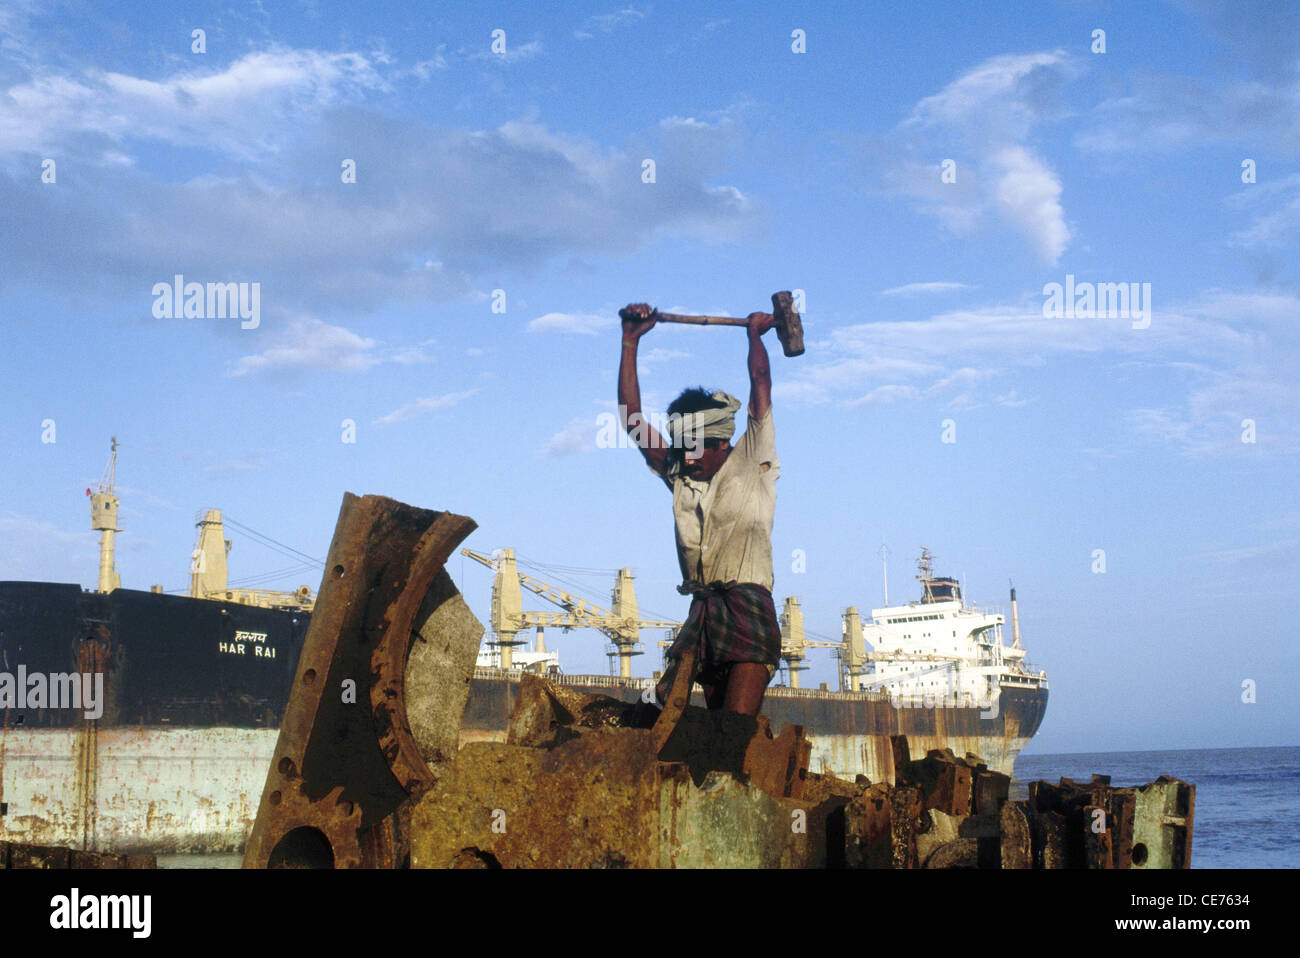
point(884, 571)
point(926, 564)
point(103, 518)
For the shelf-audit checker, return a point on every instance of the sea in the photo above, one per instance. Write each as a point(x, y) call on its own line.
point(1247, 799)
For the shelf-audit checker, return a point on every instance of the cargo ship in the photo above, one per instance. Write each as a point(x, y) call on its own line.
point(137, 721)
point(937, 670)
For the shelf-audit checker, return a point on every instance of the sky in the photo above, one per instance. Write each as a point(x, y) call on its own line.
point(442, 207)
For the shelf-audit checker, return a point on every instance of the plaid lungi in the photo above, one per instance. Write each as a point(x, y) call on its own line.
point(728, 622)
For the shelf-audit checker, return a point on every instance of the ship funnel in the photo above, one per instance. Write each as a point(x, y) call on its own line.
point(853, 657)
point(1015, 620)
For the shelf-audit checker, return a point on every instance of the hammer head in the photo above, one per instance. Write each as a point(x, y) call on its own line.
point(789, 327)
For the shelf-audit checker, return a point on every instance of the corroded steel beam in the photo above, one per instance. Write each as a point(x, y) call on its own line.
point(347, 759)
point(18, 855)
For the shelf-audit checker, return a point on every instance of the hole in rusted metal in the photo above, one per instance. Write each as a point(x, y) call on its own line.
point(275, 798)
point(475, 858)
point(309, 677)
point(1139, 854)
point(303, 847)
point(338, 572)
point(286, 766)
point(345, 806)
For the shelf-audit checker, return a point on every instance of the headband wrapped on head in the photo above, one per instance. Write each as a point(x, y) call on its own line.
point(689, 430)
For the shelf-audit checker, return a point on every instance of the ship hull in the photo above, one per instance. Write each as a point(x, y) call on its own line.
point(178, 759)
point(850, 732)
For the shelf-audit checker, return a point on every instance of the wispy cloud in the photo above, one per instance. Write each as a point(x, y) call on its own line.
point(579, 435)
point(607, 23)
point(431, 225)
point(585, 324)
point(421, 406)
point(241, 110)
point(1236, 354)
point(913, 289)
point(35, 549)
point(308, 343)
point(983, 121)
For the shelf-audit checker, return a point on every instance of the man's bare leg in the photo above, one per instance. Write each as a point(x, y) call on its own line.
point(745, 687)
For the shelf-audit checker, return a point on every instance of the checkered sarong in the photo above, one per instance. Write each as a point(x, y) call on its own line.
point(728, 622)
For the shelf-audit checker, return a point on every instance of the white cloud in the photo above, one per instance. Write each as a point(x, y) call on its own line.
point(1236, 354)
point(241, 110)
point(995, 87)
point(309, 343)
point(586, 324)
point(1028, 196)
point(885, 394)
point(661, 355)
point(337, 250)
point(578, 436)
point(962, 377)
point(424, 405)
point(1011, 400)
point(607, 23)
point(917, 288)
point(982, 122)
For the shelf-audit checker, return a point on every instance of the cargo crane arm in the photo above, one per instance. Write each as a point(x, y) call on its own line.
point(622, 630)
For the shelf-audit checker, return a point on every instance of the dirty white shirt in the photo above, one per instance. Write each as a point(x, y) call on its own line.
point(724, 525)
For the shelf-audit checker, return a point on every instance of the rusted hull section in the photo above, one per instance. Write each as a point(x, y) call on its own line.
point(145, 790)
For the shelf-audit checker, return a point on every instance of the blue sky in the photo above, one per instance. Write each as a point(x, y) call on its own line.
point(821, 171)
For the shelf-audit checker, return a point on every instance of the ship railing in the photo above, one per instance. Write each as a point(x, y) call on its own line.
point(958, 701)
point(782, 691)
point(606, 681)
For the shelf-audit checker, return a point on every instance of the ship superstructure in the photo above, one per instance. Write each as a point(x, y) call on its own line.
point(939, 651)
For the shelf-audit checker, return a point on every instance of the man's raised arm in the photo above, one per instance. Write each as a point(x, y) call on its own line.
point(636, 323)
point(760, 373)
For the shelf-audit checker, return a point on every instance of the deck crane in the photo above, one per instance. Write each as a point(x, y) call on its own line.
point(622, 625)
point(794, 643)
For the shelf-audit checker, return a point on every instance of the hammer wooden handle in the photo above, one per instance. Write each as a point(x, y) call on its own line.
point(699, 320)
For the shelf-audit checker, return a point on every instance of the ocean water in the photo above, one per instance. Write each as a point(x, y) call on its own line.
point(1247, 799)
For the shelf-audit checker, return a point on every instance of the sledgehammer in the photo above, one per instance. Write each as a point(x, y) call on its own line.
point(789, 327)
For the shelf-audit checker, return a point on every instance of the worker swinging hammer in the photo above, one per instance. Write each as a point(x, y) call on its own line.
point(724, 499)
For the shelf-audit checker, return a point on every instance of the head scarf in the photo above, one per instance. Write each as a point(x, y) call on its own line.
point(689, 430)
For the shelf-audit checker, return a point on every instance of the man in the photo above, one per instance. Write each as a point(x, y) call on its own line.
point(723, 502)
